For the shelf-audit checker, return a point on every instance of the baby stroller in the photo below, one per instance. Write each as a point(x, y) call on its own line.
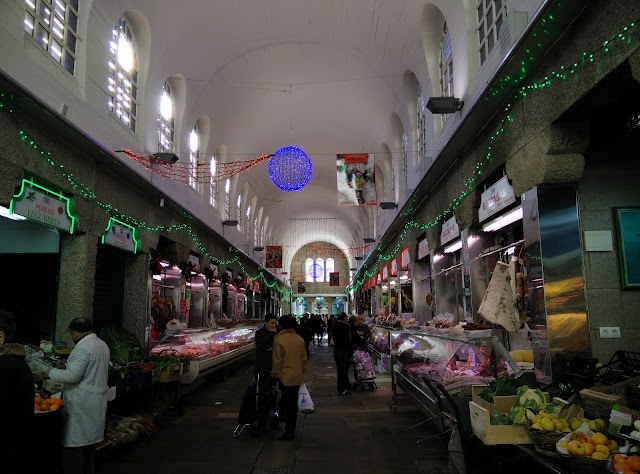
point(363, 372)
point(249, 409)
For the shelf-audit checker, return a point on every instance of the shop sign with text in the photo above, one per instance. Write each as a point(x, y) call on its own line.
point(121, 235)
point(450, 230)
point(495, 198)
point(40, 204)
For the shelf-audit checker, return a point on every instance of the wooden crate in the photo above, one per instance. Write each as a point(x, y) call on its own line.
point(502, 404)
point(495, 434)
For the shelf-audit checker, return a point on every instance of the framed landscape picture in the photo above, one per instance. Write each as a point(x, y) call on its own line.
point(627, 220)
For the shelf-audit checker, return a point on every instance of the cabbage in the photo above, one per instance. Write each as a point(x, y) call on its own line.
point(518, 415)
point(530, 398)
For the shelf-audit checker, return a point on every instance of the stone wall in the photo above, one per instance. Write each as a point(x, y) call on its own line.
point(298, 270)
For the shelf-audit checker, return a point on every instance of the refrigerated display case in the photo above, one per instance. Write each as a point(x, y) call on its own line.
point(196, 290)
point(165, 300)
point(215, 300)
point(207, 349)
point(241, 304)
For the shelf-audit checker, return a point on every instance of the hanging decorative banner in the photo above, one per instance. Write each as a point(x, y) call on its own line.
point(273, 256)
point(495, 198)
point(405, 261)
point(256, 286)
point(378, 279)
point(334, 279)
point(356, 179)
point(40, 204)
point(121, 235)
point(450, 230)
point(194, 258)
point(393, 266)
point(385, 273)
point(423, 248)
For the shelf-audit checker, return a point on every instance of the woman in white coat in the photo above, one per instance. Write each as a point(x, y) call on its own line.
point(85, 403)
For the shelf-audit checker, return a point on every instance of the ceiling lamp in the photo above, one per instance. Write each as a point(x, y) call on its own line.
point(290, 168)
point(457, 245)
point(505, 220)
point(444, 105)
point(368, 240)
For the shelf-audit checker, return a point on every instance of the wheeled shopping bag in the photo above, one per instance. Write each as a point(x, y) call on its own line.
point(363, 371)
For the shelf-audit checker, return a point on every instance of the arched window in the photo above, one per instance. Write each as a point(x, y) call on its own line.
point(213, 184)
point(194, 152)
point(122, 83)
point(491, 15)
point(263, 236)
point(422, 126)
point(247, 230)
point(319, 270)
point(308, 270)
point(239, 213)
point(54, 25)
point(227, 199)
point(166, 122)
point(405, 145)
point(329, 267)
point(255, 232)
point(446, 67)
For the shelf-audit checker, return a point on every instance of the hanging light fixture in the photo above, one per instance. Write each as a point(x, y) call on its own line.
point(290, 169)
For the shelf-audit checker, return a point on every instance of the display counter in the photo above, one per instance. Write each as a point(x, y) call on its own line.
point(207, 349)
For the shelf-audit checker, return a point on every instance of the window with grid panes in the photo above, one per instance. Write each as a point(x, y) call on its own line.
point(194, 151)
point(422, 127)
point(491, 15)
point(255, 232)
point(122, 83)
point(239, 213)
point(227, 199)
point(166, 123)
point(329, 267)
point(213, 184)
point(247, 223)
point(54, 25)
point(446, 69)
point(405, 145)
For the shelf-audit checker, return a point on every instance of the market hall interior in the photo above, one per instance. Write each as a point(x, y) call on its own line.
point(176, 172)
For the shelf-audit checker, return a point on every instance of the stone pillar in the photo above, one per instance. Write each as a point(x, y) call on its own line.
point(76, 280)
point(136, 295)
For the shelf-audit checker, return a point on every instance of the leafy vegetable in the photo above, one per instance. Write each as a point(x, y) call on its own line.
point(518, 416)
point(500, 387)
point(498, 418)
point(530, 398)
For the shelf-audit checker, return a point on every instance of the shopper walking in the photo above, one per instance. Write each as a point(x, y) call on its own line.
point(318, 328)
point(342, 352)
point(364, 334)
point(330, 324)
point(85, 388)
point(289, 364)
point(305, 331)
point(264, 356)
point(16, 401)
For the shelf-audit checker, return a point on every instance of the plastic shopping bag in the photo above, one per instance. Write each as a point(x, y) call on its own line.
point(305, 404)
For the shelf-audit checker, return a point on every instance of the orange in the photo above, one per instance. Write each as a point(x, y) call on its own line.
point(55, 401)
point(38, 399)
point(36, 407)
point(619, 466)
point(620, 459)
point(633, 462)
point(54, 407)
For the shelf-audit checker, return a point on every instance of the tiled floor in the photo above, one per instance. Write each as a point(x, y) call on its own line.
point(349, 434)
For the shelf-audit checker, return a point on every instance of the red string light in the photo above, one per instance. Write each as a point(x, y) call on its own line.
point(336, 251)
point(189, 173)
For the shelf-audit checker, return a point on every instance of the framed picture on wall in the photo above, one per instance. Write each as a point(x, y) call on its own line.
point(627, 221)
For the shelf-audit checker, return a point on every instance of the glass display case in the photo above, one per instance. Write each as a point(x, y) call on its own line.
point(380, 341)
point(196, 290)
point(207, 349)
point(454, 363)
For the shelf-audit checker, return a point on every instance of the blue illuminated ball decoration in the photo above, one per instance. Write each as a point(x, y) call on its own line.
point(290, 168)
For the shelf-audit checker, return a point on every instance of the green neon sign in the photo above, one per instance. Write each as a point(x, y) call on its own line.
point(39, 204)
point(121, 235)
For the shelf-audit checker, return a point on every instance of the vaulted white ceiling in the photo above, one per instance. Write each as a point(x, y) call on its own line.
point(325, 75)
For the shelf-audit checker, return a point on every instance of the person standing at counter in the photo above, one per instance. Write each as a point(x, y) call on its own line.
point(85, 387)
point(289, 364)
point(16, 401)
point(264, 357)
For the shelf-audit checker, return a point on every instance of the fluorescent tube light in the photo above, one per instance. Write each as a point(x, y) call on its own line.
point(4, 212)
point(392, 282)
point(504, 220)
point(457, 245)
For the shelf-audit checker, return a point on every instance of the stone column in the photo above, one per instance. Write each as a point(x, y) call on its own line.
point(136, 295)
point(76, 280)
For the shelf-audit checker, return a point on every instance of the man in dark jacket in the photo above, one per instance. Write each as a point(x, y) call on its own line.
point(264, 352)
point(16, 401)
point(305, 332)
point(342, 352)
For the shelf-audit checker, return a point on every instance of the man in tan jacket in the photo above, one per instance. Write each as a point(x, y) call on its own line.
point(289, 364)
